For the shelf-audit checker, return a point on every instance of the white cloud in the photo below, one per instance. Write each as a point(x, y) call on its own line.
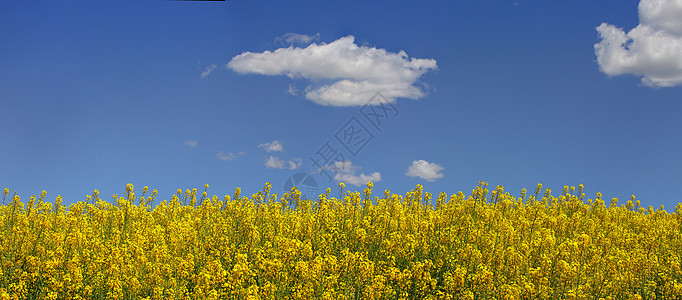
point(292, 90)
point(343, 167)
point(297, 38)
point(357, 72)
point(425, 170)
point(652, 50)
point(274, 146)
point(274, 162)
point(208, 70)
point(229, 156)
point(358, 180)
point(191, 143)
point(345, 172)
point(295, 163)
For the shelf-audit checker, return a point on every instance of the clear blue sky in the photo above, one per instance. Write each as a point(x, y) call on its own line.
point(97, 94)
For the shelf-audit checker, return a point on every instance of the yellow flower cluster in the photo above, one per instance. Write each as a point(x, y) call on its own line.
point(488, 245)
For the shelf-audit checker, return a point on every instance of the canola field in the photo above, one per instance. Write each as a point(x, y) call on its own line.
point(344, 245)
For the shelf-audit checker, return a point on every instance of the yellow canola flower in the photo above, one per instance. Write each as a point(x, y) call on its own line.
point(486, 245)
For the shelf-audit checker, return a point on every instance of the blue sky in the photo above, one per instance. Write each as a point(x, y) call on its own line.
point(165, 94)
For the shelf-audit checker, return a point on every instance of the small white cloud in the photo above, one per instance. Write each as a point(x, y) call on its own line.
point(345, 171)
point(357, 72)
point(229, 156)
point(191, 143)
point(425, 170)
point(292, 90)
point(358, 180)
point(343, 167)
point(223, 156)
point(297, 38)
point(274, 146)
point(208, 70)
point(274, 162)
point(652, 50)
point(295, 163)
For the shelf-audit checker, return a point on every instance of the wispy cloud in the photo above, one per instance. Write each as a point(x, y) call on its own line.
point(191, 143)
point(274, 146)
point(357, 72)
point(229, 156)
point(292, 90)
point(208, 70)
point(274, 162)
point(652, 50)
point(425, 170)
point(296, 38)
point(345, 172)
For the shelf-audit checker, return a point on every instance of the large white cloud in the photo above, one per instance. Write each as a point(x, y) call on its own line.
point(356, 72)
point(652, 50)
point(425, 170)
point(345, 172)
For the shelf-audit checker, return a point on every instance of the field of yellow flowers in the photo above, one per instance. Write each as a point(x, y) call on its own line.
point(488, 245)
